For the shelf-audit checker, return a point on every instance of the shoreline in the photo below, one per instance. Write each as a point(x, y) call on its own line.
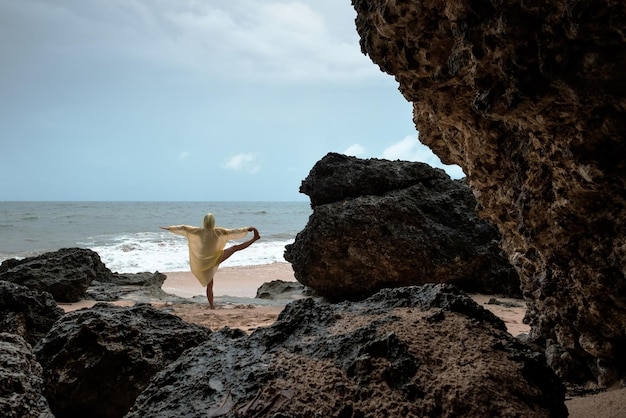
point(233, 287)
point(239, 281)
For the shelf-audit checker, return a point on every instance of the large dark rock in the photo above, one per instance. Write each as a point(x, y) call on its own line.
point(96, 361)
point(72, 274)
point(337, 177)
point(416, 351)
point(66, 273)
point(529, 98)
point(26, 312)
point(21, 382)
point(379, 223)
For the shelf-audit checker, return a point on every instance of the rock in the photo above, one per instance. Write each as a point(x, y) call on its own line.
point(337, 177)
point(144, 279)
point(21, 383)
point(494, 301)
point(280, 290)
point(528, 98)
point(411, 226)
point(416, 351)
point(96, 361)
point(72, 274)
point(66, 273)
point(137, 286)
point(27, 313)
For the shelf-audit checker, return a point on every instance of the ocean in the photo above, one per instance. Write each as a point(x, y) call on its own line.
point(127, 237)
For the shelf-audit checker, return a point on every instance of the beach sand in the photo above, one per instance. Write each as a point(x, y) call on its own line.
point(229, 281)
point(236, 307)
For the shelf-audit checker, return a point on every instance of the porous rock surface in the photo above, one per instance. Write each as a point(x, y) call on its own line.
point(21, 382)
point(416, 351)
point(27, 313)
point(528, 97)
point(66, 273)
point(379, 223)
point(96, 361)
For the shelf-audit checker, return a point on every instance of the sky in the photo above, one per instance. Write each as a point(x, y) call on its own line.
point(188, 100)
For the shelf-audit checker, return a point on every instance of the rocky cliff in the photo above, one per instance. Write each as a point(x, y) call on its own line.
point(529, 98)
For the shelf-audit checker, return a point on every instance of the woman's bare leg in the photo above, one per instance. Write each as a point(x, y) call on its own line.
point(232, 250)
point(227, 253)
point(209, 294)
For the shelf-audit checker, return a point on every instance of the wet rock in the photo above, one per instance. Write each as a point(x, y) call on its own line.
point(65, 274)
point(529, 99)
point(26, 312)
point(379, 223)
point(417, 351)
point(21, 382)
point(96, 361)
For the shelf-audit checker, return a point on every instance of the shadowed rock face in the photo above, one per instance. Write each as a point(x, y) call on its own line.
point(379, 223)
point(417, 351)
point(21, 381)
point(529, 98)
point(27, 313)
point(96, 361)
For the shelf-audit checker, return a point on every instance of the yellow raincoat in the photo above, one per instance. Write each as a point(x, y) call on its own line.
point(206, 245)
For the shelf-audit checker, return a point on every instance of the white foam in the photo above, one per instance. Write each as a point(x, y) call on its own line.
point(133, 253)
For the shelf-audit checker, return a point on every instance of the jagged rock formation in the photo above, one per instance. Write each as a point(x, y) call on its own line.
point(416, 351)
point(27, 313)
point(96, 361)
point(529, 99)
point(21, 382)
point(66, 273)
point(379, 223)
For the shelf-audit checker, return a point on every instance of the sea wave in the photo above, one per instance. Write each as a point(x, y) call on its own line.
point(126, 234)
point(133, 254)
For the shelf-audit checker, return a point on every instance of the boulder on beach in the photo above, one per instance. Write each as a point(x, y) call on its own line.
point(73, 274)
point(65, 274)
point(415, 351)
point(96, 361)
point(28, 313)
point(380, 223)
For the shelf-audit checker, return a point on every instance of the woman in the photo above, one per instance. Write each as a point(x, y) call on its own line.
point(206, 248)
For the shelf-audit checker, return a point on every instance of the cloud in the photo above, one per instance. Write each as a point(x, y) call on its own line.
point(355, 150)
point(183, 156)
point(268, 41)
point(274, 41)
point(244, 162)
point(410, 149)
